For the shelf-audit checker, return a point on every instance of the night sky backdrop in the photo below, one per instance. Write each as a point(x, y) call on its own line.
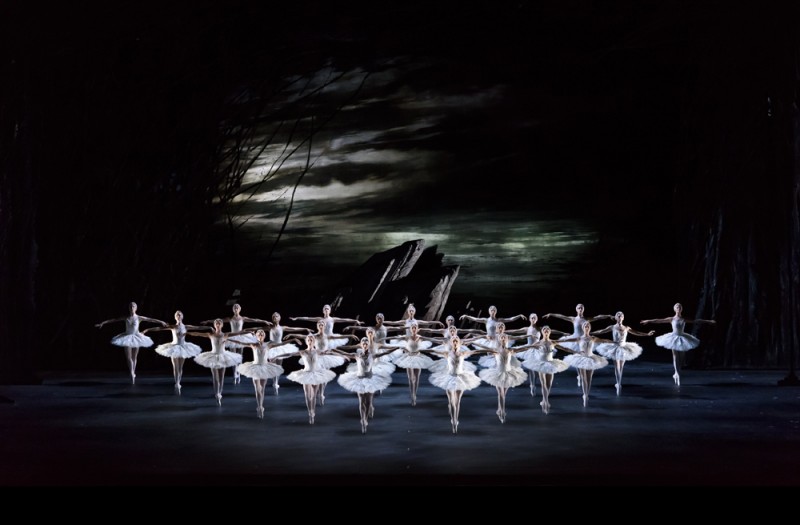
point(559, 152)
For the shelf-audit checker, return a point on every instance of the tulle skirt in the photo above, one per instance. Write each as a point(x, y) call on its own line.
point(312, 377)
point(440, 366)
point(619, 352)
point(552, 366)
point(679, 342)
point(223, 359)
point(260, 371)
point(414, 361)
point(586, 362)
point(378, 367)
point(184, 350)
point(364, 385)
point(248, 337)
point(137, 340)
point(281, 350)
point(326, 361)
point(463, 381)
point(504, 378)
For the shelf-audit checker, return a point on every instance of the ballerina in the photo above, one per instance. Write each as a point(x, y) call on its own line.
point(542, 362)
point(237, 321)
point(327, 341)
point(277, 347)
point(506, 373)
point(312, 376)
point(445, 345)
point(489, 361)
point(328, 320)
point(491, 322)
point(413, 360)
point(533, 335)
point(678, 341)
point(455, 379)
point(364, 380)
point(260, 369)
point(410, 317)
point(621, 349)
point(380, 330)
point(131, 339)
point(218, 359)
point(179, 349)
point(584, 359)
point(577, 327)
point(383, 363)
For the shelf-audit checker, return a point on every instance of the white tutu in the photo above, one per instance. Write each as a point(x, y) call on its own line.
point(679, 342)
point(504, 378)
point(375, 382)
point(487, 361)
point(586, 362)
point(218, 360)
point(530, 353)
point(281, 350)
point(137, 340)
point(248, 337)
point(260, 371)
point(463, 381)
point(440, 366)
point(325, 361)
point(553, 366)
point(378, 367)
point(413, 361)
point(335, 342)
point(312, 377)
point(184, 350)
point(619, 351)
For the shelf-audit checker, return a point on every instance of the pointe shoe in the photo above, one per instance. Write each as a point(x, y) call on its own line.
point(311, 419)
point(677, 378)
point(260, 413)
point(414, 401)
point(322, 399)
point(133, 378)
point(585, 399)
point(533, 391)
point(371, 412)
point(364, 427)
point(618, 387)
point(219, 399)
point(178, 388)
point(277, 387)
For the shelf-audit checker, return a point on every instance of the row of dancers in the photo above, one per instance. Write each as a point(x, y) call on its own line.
point(409, 343)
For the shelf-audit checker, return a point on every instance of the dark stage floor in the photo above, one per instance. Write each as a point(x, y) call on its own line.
point(734, 428)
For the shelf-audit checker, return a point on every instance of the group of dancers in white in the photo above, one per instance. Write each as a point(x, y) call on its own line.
point(415, 345)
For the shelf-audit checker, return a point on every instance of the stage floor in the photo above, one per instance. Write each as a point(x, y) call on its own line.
point(734, 428)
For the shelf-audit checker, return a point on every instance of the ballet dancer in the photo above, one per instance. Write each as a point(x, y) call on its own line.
point(491, 322)
point(621, 350)
point(506, 373)
point(410, 317)
point(277, 347)
point(678, 340)
point(584, 358)
point(328, 320)
point(260, 369)
point(312, 376)
point(237, 321)
point(132, 339)
point(543, 362)
point(577, 321)
point(364, 380)
point(179, 349)
point(455, 379)
point(218, 359)
point(413, 360)
point(533, 335)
